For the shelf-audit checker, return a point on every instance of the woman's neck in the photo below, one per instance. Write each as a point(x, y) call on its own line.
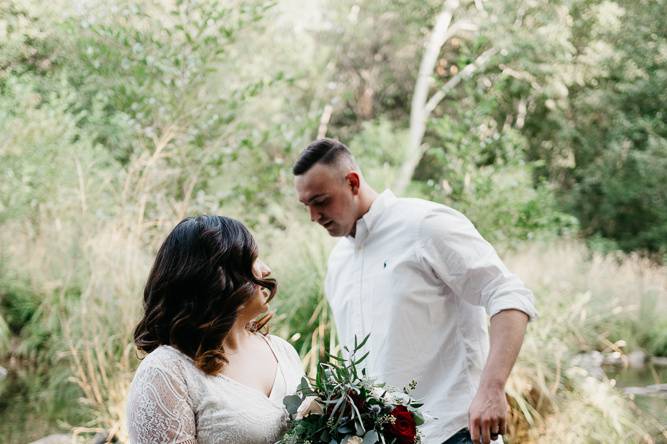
point(237, 336)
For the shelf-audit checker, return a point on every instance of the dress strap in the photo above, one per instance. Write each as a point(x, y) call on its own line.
point(273, 350)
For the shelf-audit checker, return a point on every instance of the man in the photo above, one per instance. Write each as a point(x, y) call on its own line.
point(420, 279)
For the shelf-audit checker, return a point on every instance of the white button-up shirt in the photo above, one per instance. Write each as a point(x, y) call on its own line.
point(421, 280)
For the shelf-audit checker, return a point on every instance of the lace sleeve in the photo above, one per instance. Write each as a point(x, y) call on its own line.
point(159, 409)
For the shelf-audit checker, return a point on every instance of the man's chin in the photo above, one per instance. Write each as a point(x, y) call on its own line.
point(336, 232)
point(332, 230)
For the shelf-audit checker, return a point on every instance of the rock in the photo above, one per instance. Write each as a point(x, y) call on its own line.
point(591, 362)
point(649, 390)
point(614, 358)
point(659, 360)
point(637, 359)
point(55, 439)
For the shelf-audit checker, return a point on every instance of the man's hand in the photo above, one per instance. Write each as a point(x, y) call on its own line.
point(488, 414)
point(488, 411)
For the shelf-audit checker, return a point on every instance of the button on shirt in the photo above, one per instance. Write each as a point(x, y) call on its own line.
point(420, 279)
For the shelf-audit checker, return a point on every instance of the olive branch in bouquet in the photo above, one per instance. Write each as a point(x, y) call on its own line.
point(342, 405)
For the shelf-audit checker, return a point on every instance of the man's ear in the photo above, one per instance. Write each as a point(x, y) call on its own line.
point(353, 181)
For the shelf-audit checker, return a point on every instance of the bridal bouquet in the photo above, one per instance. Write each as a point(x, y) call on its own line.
point(343, 406)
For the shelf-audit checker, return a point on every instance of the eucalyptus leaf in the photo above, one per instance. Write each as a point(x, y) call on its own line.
point(371, 437)
point(292, 404)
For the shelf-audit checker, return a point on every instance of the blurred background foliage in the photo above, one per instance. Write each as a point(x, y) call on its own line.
point(546, 126)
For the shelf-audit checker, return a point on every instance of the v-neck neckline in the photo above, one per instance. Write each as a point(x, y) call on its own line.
point(275, 377)
point(245, 386)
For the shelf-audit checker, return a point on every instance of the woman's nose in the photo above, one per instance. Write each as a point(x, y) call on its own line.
point(264, 270)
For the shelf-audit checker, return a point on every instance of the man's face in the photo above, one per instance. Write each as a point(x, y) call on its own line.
point(330, 198)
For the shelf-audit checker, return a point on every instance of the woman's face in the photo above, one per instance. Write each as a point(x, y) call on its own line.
point(258, 304)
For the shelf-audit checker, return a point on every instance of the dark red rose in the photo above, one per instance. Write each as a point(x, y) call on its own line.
point(404, 428)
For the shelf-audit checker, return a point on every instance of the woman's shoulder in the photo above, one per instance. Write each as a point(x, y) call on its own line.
point(291, 363)
point(284, 347)
point(160, 394)
point(165, 359)
point(277, 341)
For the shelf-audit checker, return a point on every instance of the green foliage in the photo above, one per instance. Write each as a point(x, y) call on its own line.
point(46, 152)
point(572, 97)
point(298, 257)
point(606, 140)
point(38, 392)
point(37, 401)
point(640, 327)
point(484, 176)
point(348, 403)
point(654, 337)
point(378, 147)
point(115, 84)
point(372, 67)
point(18, 305)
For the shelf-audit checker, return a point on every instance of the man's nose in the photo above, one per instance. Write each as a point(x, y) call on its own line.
point(314, 215)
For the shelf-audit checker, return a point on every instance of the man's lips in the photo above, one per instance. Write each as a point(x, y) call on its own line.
point(327, 224)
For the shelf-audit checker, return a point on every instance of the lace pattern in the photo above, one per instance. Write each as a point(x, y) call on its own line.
point(172, 401)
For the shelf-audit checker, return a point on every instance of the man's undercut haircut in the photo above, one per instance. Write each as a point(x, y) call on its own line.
point(324, 151)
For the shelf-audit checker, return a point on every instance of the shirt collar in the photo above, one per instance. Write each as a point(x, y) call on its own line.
point(366, 223)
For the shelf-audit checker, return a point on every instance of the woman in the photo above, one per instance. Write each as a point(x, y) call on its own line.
point(209, 376)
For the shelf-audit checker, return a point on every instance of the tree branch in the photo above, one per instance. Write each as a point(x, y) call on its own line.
point(422, 106)
point(324, 121)
point(464, 74)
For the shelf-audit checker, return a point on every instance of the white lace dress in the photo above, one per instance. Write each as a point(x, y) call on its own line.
point(172, 401)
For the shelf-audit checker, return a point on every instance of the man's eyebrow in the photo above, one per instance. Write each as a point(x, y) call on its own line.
point(314, 197)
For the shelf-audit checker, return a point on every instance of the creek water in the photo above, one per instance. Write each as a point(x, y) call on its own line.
point(650, 374)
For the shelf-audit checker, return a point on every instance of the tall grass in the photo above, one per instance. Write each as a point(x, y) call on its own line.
point(299, 256)
point(586, 302)
point(84, 263)
point(90, 272)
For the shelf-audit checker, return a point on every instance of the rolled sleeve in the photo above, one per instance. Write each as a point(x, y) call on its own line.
point(459, 256)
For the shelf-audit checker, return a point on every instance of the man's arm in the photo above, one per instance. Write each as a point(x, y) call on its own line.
point(471, 268)
point(488, 411)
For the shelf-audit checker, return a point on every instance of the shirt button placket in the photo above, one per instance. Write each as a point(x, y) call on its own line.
point(360, 327)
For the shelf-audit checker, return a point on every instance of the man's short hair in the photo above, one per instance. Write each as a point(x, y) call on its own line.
point(324, 151)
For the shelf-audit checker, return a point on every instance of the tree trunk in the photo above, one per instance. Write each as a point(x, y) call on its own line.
point(422, 106)
point(418, 115)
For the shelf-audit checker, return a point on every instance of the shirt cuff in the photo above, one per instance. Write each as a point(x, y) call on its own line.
point(512, 303)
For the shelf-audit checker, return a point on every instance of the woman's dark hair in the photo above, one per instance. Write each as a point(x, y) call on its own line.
point(202, 274)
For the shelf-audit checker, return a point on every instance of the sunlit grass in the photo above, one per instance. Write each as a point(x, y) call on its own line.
point(92, 274)
point(583, 299)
